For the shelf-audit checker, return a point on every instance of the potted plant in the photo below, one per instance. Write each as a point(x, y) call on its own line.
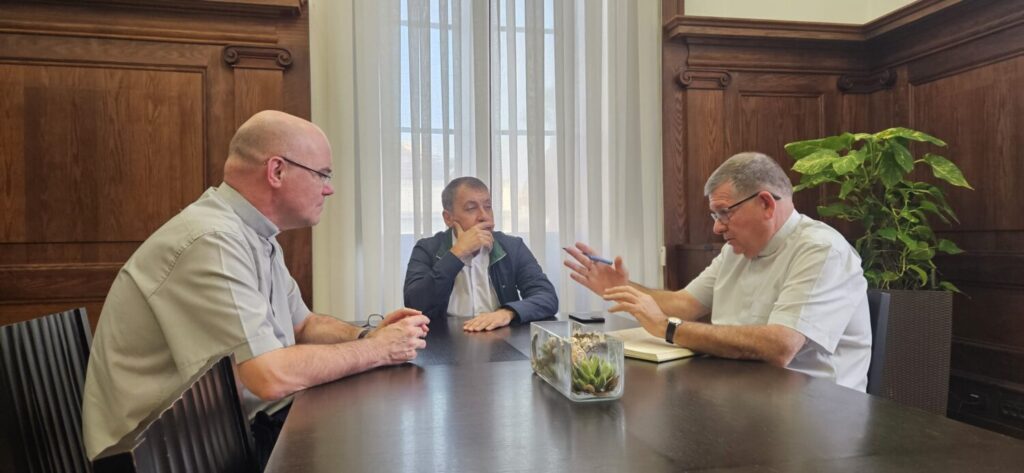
point(871, 179)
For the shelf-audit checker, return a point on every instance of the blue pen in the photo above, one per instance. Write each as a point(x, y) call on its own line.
point(596, 259)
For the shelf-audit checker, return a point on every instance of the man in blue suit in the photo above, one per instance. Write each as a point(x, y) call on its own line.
point(472, 270)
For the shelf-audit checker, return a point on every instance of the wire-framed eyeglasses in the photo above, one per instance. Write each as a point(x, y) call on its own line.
point(324, 177)
point(723, 215)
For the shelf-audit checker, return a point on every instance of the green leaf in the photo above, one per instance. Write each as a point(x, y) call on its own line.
point(924, 232)
point(948, 247)
point(907, 240)
point(848, 186)
point(845, 165)
point(944, 169)
point(921, 274)
point(810, 181)
point(815, 162)
point(909, 216)
point(929, 206)
point(834, 210)
point(921, 254)
point(888, 233)
point(950, 287)
point(908, 134)
point(902, 155)
point(889, 170)
point(800, 149)
point(889, 276)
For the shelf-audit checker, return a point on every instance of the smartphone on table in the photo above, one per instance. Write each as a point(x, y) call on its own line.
point(592, 317)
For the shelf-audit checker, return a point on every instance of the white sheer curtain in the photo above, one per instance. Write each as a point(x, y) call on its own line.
point(554, 103)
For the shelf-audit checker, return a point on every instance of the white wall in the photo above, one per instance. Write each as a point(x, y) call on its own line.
point(825, 11)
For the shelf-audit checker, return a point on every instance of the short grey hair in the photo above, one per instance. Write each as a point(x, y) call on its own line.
point(751, 172)
point(448, 194)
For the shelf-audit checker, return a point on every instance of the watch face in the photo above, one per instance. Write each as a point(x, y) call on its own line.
point(674, 320)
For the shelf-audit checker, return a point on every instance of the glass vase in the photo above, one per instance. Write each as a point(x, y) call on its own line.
point(582, 364)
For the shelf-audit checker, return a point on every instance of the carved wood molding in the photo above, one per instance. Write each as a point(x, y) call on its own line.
point(253, 57)
point(110, 31)
point(680, 26)
point(866, 83)
point(703, 79)
point(271, 8)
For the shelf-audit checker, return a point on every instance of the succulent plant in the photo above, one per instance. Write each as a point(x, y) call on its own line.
point(594, 375)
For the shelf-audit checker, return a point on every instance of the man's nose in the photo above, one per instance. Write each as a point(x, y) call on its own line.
point(328, 189)
point(719, 227)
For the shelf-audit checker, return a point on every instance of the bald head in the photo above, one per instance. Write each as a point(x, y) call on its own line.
point(277, 162)
point(270, 133)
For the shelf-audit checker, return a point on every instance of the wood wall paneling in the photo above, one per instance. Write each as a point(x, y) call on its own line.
point(705, 118)
point(674, 146)
point(87, 143)
point(981, 113)
point(116, 116)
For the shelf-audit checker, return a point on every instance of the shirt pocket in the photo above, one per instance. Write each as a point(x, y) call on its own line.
point(756, 312)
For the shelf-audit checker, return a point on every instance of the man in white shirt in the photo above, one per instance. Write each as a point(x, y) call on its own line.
point(213, 281)
point(785, 289)
point(471, 270)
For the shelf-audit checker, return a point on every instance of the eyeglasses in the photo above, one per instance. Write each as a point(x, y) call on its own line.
point(324, 177)
point(724, 214)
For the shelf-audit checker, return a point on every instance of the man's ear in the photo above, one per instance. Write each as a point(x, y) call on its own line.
point(275, 170)
point(769, 203)
point(448, 220)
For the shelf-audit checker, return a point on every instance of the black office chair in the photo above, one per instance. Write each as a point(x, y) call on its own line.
point(204, 430)
point(42, 372)
point(878, 305)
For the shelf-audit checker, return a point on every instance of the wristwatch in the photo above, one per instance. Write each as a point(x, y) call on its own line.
point(670, 332)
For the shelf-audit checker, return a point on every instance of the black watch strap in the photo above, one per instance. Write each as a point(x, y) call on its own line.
point(670, 331)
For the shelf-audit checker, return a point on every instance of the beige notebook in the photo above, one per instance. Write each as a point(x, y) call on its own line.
point(644, 346)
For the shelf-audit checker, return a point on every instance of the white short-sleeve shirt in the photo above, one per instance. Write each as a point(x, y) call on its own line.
point(209, 282)
point(807, 278)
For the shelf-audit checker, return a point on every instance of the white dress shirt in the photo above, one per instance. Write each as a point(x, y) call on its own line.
point(473, 292)
point(807, 278)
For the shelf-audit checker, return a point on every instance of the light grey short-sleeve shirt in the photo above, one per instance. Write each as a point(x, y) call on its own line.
point(209, 282)
point(807, 278)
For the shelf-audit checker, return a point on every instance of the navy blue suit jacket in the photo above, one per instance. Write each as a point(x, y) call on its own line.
point(515, 275)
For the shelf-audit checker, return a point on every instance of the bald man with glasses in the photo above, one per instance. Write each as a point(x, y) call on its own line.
point(785, 289)
point(212, 281)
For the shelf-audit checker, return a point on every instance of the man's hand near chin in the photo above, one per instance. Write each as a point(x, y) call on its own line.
point(489, 321)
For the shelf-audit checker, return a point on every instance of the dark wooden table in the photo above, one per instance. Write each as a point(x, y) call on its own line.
point(471, 403)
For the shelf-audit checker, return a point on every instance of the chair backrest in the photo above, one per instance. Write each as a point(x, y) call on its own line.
point(204, 430)
point(42, 372)
point(878, 305)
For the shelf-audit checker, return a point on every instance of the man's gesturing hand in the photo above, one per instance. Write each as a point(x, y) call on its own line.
point(597, 277)
point(639, 305)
